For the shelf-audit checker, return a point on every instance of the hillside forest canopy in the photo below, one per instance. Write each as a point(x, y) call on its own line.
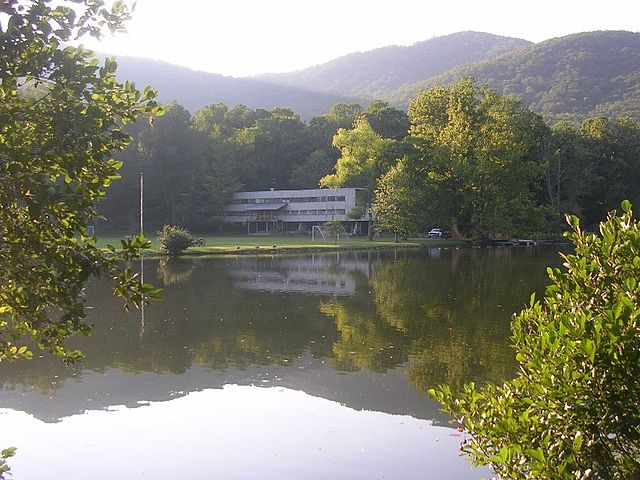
point(569, 78)
point(464, 157)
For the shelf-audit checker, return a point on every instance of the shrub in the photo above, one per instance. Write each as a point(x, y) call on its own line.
point(573, 411)
point(174, 240)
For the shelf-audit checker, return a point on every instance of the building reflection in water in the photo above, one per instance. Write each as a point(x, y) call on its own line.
point(326, 274)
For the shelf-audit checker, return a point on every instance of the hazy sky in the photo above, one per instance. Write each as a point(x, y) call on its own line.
point(246, 37)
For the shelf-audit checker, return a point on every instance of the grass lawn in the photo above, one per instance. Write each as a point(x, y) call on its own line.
point(262, 243)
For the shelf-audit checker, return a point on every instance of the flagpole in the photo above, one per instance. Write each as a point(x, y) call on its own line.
point(142, 203)
point(142, 255)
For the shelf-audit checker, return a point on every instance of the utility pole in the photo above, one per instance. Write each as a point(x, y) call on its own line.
point(142, 255)
point(369, 222)
point(142, 203)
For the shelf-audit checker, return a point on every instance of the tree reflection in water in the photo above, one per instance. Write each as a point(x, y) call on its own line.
point(435, 316)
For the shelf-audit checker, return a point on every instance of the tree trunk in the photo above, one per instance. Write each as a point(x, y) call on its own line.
point(455, 233)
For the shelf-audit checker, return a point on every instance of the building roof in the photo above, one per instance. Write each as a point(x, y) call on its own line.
point(296, 192)
point(262, 207)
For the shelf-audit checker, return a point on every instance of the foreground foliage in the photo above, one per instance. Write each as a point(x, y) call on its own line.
point(573, 411)
point(4, 466)
point(55, 164)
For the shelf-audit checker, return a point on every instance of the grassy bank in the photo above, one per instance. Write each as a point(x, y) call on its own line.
point(222, 244)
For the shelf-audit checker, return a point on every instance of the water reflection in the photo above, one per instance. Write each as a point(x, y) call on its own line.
point(371, 330)
point(328, 275)
point(175, 270)
point(242, 437)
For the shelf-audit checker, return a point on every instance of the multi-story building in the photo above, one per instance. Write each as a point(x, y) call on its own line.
point(282, 211)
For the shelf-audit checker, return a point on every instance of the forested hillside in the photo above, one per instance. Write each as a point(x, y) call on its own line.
point(374, 73)
point(194, 89)
point(567, 78)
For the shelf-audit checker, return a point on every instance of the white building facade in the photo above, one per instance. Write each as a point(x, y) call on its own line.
point(290, 211)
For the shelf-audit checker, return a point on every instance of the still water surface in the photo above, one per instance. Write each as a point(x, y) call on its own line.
point(305, 366)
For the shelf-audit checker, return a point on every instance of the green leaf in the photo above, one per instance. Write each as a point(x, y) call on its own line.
point(588, 347)
point(35, 210)
point(8, 452)
point(577, 441)
point(617, 310)
point(536, 454)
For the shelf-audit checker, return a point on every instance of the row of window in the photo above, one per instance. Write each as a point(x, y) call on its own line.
point(328, 211)
point(329, 198)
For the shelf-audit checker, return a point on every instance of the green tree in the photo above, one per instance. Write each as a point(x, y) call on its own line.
point(398, 205)
point(321, 131)
point(174, 158)
point(55, 164)
point(573, 411)
point(344, 114)
point(308, 173)
point(612, 152)
point(120, 209)
point(387, 121)
point(480, 155)
point(212, 120)
point(365, 156)
point(590, 169)
point(187, 172)
point(568, 176)
point(267, 152)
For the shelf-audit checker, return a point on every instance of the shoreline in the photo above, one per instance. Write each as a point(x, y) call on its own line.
point(242, 246)
point(231, 250)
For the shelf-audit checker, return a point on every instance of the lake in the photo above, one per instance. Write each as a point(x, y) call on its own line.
point(293, 366)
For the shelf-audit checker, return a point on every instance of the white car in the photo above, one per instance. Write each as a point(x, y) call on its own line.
point(435, 233)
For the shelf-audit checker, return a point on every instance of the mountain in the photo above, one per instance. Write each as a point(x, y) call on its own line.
point(374, 73)
point(193, 89)
point(566, 78)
